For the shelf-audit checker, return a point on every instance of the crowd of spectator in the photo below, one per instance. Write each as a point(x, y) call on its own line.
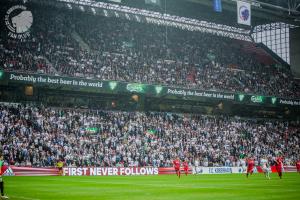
point(74, 43)
point(40, 136)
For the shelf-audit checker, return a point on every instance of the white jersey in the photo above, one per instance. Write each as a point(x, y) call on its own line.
point(264, 164)
point(243, 163)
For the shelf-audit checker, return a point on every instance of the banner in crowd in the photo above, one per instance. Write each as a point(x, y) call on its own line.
point(126, 171)
point(243, 13)
point(118, 87)
point(236, 170)
point(29, 171)
point(218, 5)
point(290, 102)
point(218, 170)
point(99, 86)
point(109, 171)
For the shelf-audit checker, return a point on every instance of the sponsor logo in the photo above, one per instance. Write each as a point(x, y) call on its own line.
point(158, 89)
point(1, 74)
point(8, 172)
point(257, 99)
point(273, 99)
point(244, 13)
point(113, 85)
point(241, 97)
point(135, 87)
point(220, 170)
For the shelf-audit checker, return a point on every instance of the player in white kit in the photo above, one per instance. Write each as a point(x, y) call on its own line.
point(265, 167)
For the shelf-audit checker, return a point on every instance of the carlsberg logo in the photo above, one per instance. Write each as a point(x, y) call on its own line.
point(257, 99)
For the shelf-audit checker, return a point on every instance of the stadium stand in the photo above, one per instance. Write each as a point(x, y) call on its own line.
point(73, 43)
point(40, 136)
point(98, 89)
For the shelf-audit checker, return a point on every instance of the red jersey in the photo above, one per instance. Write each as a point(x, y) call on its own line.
point(176, 164)
point(3, 169)
point(251, 163)
point(298, 165)
point(185, 165)
point(279, 161)
point(279, 164)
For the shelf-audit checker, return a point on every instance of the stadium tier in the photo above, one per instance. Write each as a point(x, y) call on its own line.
point(41, 136)
point(68, 42)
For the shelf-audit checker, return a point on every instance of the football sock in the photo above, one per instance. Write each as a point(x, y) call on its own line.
point(2, 188)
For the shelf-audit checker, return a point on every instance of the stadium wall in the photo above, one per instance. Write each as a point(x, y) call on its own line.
point(126, 171)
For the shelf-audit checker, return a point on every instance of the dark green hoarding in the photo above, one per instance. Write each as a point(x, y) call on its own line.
point(116, 87)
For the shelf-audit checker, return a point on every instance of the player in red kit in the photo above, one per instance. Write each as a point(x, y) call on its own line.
point(176, 164)
point(279, 165)
point(250, 166)
point(298, 166)
point(186, 167)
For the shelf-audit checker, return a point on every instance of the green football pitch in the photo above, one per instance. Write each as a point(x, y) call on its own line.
point(164, 187)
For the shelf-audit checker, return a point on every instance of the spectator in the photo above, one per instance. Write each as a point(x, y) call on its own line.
point(38, 136)
point(117, 49)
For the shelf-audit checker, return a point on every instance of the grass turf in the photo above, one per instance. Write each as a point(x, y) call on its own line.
point(165, 187)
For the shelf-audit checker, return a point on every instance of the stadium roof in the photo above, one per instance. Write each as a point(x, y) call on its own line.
point(265, 11)
point(194, 15)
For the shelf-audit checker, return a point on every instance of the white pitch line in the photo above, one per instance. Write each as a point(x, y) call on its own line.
point(26, 198)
